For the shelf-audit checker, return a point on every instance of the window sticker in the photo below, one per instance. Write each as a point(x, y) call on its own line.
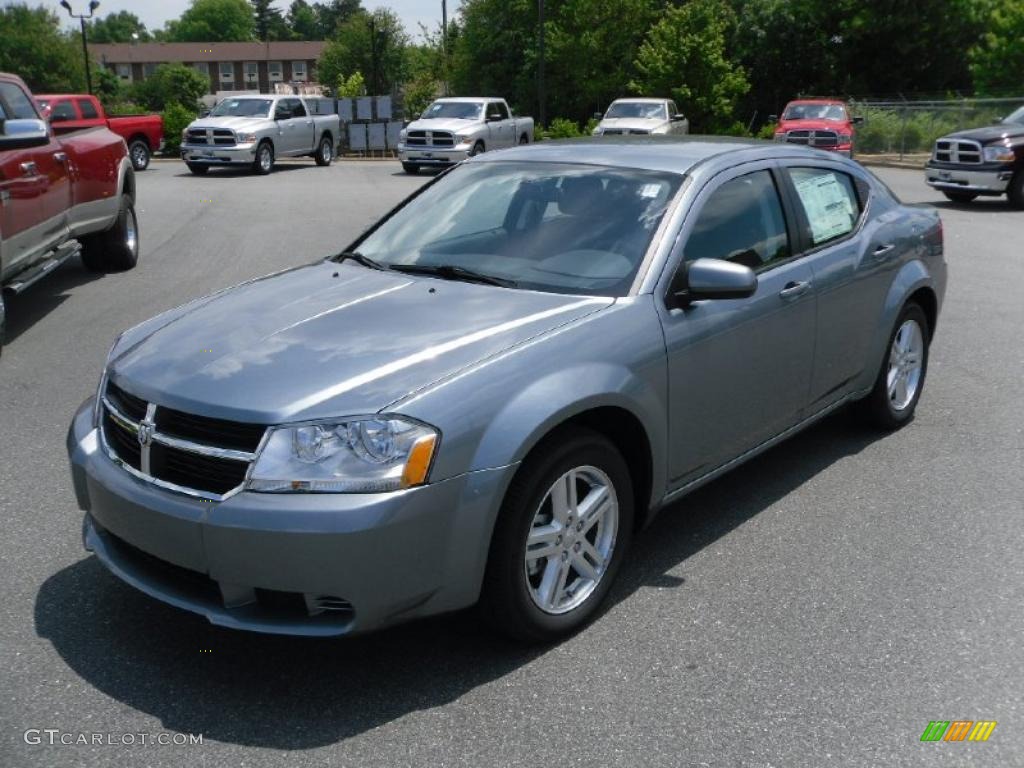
point(828, 206)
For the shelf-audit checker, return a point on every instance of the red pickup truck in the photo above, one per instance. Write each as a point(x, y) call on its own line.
point(60, 196)
point(144, 134)
point(820, 123)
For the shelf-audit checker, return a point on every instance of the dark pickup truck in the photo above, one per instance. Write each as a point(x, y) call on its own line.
point(981, 161)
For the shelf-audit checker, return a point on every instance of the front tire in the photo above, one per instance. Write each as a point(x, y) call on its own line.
point(560, 538)
point(477, 149)
point(1015, 191)
point(325, 152)
point(411, 168)
point(139, 152)
point(264, 162)
point(900, 380)
point(117, 249)
point(959, 197)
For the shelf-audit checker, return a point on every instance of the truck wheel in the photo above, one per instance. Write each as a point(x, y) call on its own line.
point(325, 152)
point(138, 150)
point(477, 149)
point(561, 535)
point(264, 162)
point(117, 249)
point(524, 139)
point(411, 168)
point(1015, 192)
point(197, 169)
point(960, 197)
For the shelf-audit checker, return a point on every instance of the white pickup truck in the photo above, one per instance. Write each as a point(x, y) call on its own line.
point(638, 116)
point(450, 130)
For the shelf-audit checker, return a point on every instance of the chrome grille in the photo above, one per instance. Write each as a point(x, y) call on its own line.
point(813, 138)
point(430, 139)
point(221, 137)
point(957, 151)
point(182, 452)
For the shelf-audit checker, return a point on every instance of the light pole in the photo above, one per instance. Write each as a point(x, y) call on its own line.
point(93, 5)
point(542, 113)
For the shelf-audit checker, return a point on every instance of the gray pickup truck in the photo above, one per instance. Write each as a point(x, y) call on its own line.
point(255, 130)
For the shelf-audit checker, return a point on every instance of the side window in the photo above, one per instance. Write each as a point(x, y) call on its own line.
point(15, 103)
point(283, 110)
point(298, 110)
point(673, 111)
point(502, 110)
point(494, 111)
point(742, 222)
point(61, 111)
point(87, 109)
point(829, 201)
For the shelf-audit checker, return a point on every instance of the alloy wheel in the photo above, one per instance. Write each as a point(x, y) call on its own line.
point(906, 359)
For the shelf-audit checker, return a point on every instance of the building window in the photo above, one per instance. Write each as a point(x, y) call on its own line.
point(299, 70)
point(124, 71)
point(275, 71)
point(148, 70)
point(252, 73)
point(202, 68)
point(227, 75)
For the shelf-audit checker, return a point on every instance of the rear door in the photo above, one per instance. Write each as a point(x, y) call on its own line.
point(739, 369)
point(303, 127)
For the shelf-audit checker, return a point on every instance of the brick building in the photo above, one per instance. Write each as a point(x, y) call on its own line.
point(229, 66)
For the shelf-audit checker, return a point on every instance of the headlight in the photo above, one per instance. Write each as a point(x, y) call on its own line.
point(843, 138)
point(367, 454)
point(402, 134)
point(998, 155)
point(184, 134)
point(463, 138)
point(781, 136)
point(598, 131)
point(247, 138)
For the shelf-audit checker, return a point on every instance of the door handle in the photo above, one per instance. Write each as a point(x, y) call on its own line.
point(29, 168)
point(60, 157)
point(883, 251)
point(793, 289)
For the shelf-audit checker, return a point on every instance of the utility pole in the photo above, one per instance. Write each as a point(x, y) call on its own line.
point(542, 112)
point(373, 56)
point(93, 5)
point(444, 45)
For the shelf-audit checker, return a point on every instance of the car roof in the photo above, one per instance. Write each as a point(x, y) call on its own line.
point(837, 102)
point(60, 95)
point(642, 100)
point(674, 154)
point(468, 99)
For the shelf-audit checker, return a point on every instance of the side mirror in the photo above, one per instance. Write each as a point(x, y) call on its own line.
point(493, 118)
point(857, 120)
point(23, 133)
point(711, 279)
point(598, 115)
point(46, 113)
point(773, 118)
point(678, 118)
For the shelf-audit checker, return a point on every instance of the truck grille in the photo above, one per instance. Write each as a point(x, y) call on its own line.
point(813, 138)
point(957, 151)
point(430, 139)
point(220, 137)
point(180, 451)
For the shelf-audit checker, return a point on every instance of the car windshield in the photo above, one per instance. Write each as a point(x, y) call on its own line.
point(563, 228)
point(815, 112)
point(1015, 117)
point(459, 110)
point(242, 108)
point(640, 109)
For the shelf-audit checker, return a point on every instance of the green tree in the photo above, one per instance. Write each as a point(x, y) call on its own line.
point(171, 84)
point(302, 21)
point(373, 43)
point(351, 86)
point(268, 21)
point(684, 56)
point(33, 46)
point(213, 21)
point(118, 28)
point(997, 61)
point(176, 119)
point(330, 16)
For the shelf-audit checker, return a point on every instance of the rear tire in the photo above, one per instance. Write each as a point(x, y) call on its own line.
point(139, 152)
point(1015, 191)
point(197, 169)
point(264, 162)
point(411, 168)
point(116, 249)
point(959, 197)
point(324, 152)
point(519, 579)
point(889, 406)
point(524, 139)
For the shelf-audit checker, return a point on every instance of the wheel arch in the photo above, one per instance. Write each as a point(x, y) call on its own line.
point(139, 137)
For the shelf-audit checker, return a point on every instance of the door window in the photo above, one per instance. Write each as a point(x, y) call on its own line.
point(742, 222)
point(494, 111)
point(829, 202)
point(298, 110)
point(87, 109)
point(15, 104)
point(62, 111)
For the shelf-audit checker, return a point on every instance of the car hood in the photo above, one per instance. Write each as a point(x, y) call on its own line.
point(329, 340)
point(443, 124)
point(234, 123)
point(814, 125)
point(631, 124)
point(990, 132)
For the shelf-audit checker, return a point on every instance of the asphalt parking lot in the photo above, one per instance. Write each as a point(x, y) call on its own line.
point(818, 606)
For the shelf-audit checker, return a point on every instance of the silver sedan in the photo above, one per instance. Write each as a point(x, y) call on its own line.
point(482, 399)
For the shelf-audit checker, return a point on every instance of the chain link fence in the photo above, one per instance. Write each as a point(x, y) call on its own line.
point(906, 127)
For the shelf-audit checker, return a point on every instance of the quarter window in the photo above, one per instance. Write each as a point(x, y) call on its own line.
point(829, 202)
point(741, 222)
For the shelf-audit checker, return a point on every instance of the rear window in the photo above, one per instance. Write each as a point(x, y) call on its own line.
point(87, 109)
point(61, 111)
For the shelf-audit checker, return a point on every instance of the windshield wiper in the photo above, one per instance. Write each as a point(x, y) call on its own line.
point(452, 272)
point(358, 258)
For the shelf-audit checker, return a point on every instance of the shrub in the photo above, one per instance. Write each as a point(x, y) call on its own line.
point(561, 128)
point(176, 119)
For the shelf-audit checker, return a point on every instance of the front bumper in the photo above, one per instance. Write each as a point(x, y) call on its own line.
point(982, 180)
point(432, 155)
point(302, 564)
point(207, 155)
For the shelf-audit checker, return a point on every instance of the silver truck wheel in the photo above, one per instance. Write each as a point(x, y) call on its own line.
point(325, 152)
point(139, 153)
point(264, 162)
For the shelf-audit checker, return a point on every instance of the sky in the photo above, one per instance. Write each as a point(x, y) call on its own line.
point(155, 12)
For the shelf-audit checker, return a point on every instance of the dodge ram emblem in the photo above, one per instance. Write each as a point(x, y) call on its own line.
point(145, 433)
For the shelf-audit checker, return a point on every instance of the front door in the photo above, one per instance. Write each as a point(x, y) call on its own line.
point(739, 369)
